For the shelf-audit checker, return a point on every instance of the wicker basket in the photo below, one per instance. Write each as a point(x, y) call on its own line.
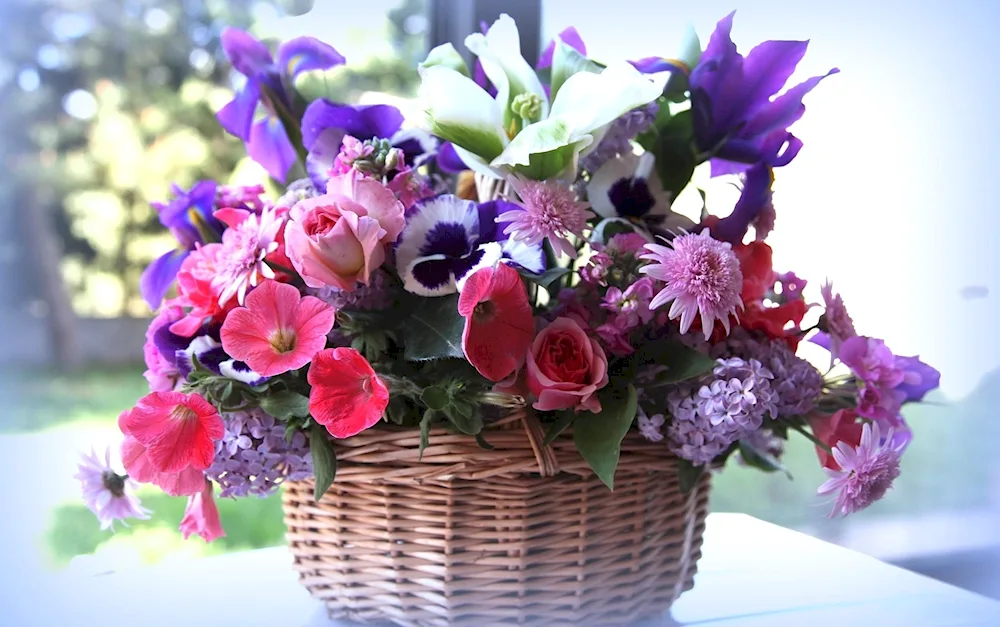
point(522, 535)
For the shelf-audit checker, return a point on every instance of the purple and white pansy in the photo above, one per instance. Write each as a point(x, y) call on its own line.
point(447, 238)
point(207, 350)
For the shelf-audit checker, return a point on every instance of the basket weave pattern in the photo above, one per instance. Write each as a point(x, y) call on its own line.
point(524, 534)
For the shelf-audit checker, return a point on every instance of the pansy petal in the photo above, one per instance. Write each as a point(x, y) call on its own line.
point(426, 219)
point(303, 54)
point(247, 55)
point(158, 276)
point(237, 116)
point(429, 276)
point(269, 146)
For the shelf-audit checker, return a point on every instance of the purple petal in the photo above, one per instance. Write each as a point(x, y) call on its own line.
point(721, 43)
point(448, 160)
point(158, 276)
point(247, 54)
point(212, 357)
point(237, 116)
point(919, 378)
point(433, 274)
point(172, 346)
point(786, 148)
point(322, 155)
point(362, 122)
point(570, 36)
point(767, 68)
point(784, 110)
point(822, 339)
point(269, 146)
point(655, 65)
point(755, 196)
point(303, 54)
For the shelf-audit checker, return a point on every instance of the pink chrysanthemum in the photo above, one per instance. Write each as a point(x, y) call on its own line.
point(240, 263)
point(866, 472)
point(838, 322)
point(547, 210)
point(106, 493)
point(703, 277)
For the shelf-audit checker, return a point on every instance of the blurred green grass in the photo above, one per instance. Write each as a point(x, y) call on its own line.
point(946, 467)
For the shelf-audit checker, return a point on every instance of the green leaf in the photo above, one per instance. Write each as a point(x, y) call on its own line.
point(598, 437)
point(425, 429)
point(688, 474)
point(564, 420)
point(324, 460)
point(436, 330)
point(435, 397)
point(447, 56)
point(285, 404)
point(682, 362)
point(483, 444)
point(547, 278)
point(466, 418)
point(567, 61)
point(761, 460)
point(675, 159)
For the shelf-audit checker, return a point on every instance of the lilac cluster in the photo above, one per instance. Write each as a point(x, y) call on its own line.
point(797, 383)
point(254, 458)
point(375, 295)
point(719, 409)
point(622, 131)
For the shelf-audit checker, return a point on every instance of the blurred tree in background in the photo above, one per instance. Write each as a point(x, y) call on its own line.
point(105, 104)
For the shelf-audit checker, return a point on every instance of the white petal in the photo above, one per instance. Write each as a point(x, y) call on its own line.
point(492, 253)
point(547, 136)
point(477, 164)
point(411, 284)
point(446, 55)
point(460, 111)
point(499, 52)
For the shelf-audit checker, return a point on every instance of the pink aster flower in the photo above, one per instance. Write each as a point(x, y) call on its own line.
point(547, 211)
point(201, 516)
point(240, 263)
point(838, 322)
point(279, 329)
point(106, 493)
point(702, 276)
point(866, 472)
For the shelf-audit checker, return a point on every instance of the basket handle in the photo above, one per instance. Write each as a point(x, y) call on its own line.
point(548, 465)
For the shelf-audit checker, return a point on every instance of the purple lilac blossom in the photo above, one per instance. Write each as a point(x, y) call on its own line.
point(735, 119)
point(619, 136)
point(719, 409)
point(254, 458)
point(650, 427)
point(796, 382)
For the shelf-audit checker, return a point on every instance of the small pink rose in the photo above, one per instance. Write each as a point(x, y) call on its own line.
point(565, 368)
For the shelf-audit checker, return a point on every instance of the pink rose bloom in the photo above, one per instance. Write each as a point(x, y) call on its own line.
point(202, 516)
point(339, 238)
point(565, 368)
point(195, 291)
point(162, 375)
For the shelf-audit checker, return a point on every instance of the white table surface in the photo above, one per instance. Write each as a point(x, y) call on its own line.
point(752, 573)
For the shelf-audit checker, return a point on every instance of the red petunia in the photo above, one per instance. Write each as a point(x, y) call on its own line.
point(499, 325)
point(841, 426)
point(759, 278)
point(178, 430)
point(347, 396)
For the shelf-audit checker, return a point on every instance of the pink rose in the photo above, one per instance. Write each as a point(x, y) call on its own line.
point(339, 238)
point(565, 368)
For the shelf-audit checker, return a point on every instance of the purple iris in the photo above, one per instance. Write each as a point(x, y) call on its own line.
point(268, 84)
point(735, 121)
point(755, 198)
point(918, 378)
point(325, 124)
point(189, 218)
point(447, 238)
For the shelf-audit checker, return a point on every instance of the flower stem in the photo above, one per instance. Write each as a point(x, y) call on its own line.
point(811, 438)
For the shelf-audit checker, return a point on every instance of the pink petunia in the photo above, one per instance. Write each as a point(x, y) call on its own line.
point(178, 431)
point(201, 516)
point(499, 326)
point(279, 330)
point(196, 291)
point(347, 396)
point(137, 465)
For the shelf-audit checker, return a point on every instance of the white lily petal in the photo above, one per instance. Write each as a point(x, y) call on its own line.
point(477, 164)
point(553, 144)
point(589, 101)
point(499, 52)
point(460, 111)
point(567, 61)
point(690, 52)
point(446, 55)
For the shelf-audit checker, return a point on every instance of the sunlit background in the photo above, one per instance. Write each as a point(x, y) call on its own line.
point(107, 102)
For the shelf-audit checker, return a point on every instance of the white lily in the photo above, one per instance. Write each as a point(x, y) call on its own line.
point(519, 130)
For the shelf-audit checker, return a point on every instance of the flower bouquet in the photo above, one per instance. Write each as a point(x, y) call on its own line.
point(491, 366)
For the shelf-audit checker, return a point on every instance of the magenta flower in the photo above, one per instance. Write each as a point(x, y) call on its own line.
point(866, 472)
point(546, 211)
point(839, 325)
point(703, 277)
point(106, 493)
point(161, 373)
point(631, 307)
point(245, 244)
point(279, 330)
point(201, 516)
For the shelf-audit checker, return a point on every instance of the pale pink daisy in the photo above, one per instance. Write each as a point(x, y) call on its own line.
point(545, 210)
point(703, 278)
point(866, 473)
point(838, 322)
point(106, 493)
point(245, 244)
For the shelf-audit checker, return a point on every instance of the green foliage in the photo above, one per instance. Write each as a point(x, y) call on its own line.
point(564, 420)
point(436, 329)
point(679, 361)
point(671, 140)
point(688, 475)
point(761, 460)
point(285, 404)
point(552, 279)
point(324, 460)
point(598, 437)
